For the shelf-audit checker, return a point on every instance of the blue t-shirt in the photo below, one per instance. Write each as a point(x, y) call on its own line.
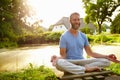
point(74, 44)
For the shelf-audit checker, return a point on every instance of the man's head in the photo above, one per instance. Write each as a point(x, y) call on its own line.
point(75, 20)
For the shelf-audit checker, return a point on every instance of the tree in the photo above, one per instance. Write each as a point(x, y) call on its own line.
point(115, 26)
point(12, 14)
point(51, 27)
point(37, 28)
point(100, 10)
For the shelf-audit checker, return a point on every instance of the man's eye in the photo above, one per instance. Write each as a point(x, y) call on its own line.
point(76, 20)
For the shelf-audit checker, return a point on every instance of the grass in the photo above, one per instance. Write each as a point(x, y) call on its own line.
point(42, 73)
point(114, 67)
point(31, 73)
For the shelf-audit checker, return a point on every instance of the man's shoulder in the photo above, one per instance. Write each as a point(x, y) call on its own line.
point(82, 34)
point(65, 33)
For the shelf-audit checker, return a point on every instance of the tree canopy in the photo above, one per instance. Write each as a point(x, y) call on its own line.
point(100, 11)
point(12, 14)
point(115, 26)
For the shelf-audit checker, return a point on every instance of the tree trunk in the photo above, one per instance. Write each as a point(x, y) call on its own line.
point(100, 28)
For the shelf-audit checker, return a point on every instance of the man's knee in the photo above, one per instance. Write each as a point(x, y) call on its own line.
point(105, 61)
point(60, 63)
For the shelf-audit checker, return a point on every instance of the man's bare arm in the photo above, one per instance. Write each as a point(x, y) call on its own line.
point(94, 54)
point(63, 52)
point(110, 57)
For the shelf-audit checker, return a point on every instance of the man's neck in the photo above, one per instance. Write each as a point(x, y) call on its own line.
point(74, 32)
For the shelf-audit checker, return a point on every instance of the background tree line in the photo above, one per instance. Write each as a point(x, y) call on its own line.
point(14, 29)
point(100, 11)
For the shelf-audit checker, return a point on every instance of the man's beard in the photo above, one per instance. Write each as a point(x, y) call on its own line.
point(75, 27)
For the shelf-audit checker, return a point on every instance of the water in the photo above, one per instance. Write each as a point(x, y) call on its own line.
point(16, 59)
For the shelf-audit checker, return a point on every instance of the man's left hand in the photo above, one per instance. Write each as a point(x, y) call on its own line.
point(113, 58)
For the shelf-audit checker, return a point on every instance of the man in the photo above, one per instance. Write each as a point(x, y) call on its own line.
point(72, 43)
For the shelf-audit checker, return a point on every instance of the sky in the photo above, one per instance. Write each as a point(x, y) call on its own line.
point(51, 11)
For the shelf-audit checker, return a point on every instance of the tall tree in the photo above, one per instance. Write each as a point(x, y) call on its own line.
point(100, 10)
point(115, 26)
point(12, 12)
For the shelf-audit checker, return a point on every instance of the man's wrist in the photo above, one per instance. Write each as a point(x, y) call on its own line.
point(106, 56)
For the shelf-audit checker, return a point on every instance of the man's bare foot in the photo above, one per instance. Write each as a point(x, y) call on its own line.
point(91, 69)
point(54, 58)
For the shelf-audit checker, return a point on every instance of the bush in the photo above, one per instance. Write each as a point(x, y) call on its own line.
point(87, 30)
point(104, 38)
point(53, 37)
point(90, 37)
point(101, 38)
point(46, 37)
point(8, 44)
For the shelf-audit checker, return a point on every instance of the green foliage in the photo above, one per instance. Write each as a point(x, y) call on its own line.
point(115, 67)
point(87, 30)
point(104, 38)
point(100, 10)
point(90, 37)
point(53, 36)
point(51, 27)
point(12, 13)
point(46, 37)
point(31, 73)
point(101, 38)
point(115, 26)
point(6, 31)
point(8, 44)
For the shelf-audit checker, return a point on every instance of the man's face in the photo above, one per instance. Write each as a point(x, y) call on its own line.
point(75, 21)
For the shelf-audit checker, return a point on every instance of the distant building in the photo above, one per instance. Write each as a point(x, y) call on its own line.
point(64, 24)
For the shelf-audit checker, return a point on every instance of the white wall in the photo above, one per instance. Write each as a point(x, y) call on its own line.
point(59, 28)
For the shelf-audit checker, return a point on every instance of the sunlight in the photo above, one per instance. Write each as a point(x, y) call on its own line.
point(50, 11)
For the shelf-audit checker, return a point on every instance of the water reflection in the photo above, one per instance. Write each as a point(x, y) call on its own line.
point(13, 60)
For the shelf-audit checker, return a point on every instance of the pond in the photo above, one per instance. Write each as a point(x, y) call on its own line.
point(16, 59)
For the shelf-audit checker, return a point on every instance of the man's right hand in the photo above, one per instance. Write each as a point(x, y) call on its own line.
point(54, 59)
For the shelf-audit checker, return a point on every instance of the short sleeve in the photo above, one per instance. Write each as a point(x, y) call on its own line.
point(86, 40)
point(62, 42)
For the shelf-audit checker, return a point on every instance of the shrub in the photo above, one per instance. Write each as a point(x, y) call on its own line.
point(46, 37)
point(41, 73)
point(8, 44)
point(87, 30)
point(104, 38)
point(53, 37)
point(90, 37)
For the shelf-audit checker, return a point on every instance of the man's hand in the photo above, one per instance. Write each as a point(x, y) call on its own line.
point(54, 59)
point(113, 58)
